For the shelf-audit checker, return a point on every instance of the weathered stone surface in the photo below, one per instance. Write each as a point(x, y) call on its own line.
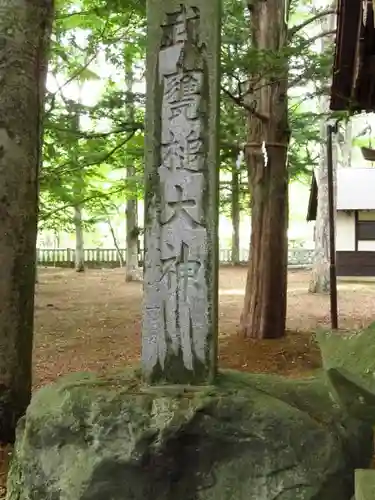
point(354, 394)
point(364, 484)
point(251, 437)
point(354, 351)
point(181, 220)
point(349, 360)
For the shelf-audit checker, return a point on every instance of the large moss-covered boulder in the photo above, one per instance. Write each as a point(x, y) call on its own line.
point(349, 361)
point(251, 437)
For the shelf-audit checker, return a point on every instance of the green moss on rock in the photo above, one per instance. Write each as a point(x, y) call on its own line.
point(250, 437)
point(354, 351)
point(364, 485)
point(349, 361)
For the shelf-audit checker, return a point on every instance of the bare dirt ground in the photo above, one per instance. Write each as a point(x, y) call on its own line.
point(92, 321)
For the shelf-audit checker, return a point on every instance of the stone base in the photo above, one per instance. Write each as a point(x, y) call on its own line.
point(251, 437)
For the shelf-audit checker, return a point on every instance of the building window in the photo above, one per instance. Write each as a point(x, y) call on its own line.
point(366, 226)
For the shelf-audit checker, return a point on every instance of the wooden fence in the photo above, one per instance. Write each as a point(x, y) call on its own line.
point(109, 257)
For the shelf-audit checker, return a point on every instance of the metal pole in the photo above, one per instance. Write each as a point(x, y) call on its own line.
point(331, 129)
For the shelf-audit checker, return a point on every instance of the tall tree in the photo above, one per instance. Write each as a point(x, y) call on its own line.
point(275, 59)
point(101, 33)
point(264, 310)
point(78, 186)
point(236, 211)
point(132, 233)
point(25, 27)
point(320, 275)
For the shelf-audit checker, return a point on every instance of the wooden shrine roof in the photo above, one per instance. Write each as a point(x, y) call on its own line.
point(353, 81)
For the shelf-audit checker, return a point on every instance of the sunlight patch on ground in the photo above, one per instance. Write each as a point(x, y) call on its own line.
point(223, 291)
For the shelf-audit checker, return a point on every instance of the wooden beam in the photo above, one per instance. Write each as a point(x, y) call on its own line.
point(349, 23)
point(356, 230)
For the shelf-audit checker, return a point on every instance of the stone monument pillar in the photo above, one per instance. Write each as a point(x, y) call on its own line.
point(179, 339)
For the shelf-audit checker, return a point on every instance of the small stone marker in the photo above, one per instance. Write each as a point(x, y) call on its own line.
point(364, 484)
point(179, 340)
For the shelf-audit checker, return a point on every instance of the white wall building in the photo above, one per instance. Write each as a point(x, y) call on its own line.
point(355, 220)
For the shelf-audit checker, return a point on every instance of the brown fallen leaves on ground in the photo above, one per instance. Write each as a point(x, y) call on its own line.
point(92, 321)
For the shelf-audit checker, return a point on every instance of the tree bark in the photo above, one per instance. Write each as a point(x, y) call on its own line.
point(320, 275)
point(132, 272)
point(78, 188)
point(25, 28)
point(346, 144)
point(80, 248)
point(264, 310)
point(235, 215)
point(115, 241)
point(320, 280)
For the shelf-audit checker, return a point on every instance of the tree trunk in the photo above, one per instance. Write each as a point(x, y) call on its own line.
point(346, 144)
point(80, 249)
point(56, 242)
point(320, 278)
point(115, 241)
point(319, 282)
point(235, 215)
point(74, 109)
point(264, 310)
point(132, 272)
point(25, 28)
